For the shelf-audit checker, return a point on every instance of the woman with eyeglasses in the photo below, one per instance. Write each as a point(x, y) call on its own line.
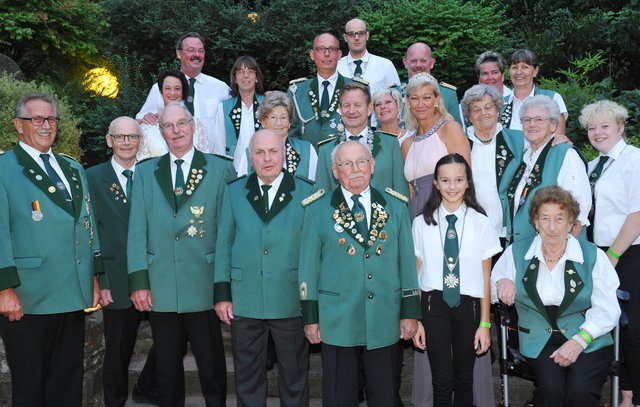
point(237, 117)
point(544, 164)
point(174, 88)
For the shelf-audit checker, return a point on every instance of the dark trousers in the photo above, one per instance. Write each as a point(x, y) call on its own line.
point(171, 331)
point(340, 375)
point(120, 333)
point(450, 333)
point(578, 385)
point(45, 354)
point(249, 339)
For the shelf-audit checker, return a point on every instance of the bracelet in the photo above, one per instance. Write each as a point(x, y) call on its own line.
point(585, 336)
point(613, 254)
point(580, 341)
point(485, 324)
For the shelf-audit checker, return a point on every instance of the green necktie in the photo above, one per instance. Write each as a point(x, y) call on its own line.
point(360, 216)
point(451, 266)
point(55, 177)
point(179, 189)
point(265, 197)
point(324, 101)
point(593, 178)
point(358, 71)
point(192, 94)
point(129, 175)
point(355, 138)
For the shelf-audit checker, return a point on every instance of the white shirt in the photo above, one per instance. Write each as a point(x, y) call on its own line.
point(572, 177)
point(506, 91)
point(35, 154)
point(333, 80)
point(617, 192)
point(365, 201)
point(121, 178)
point(186, 166)
point(483, 166)
point(604, 313)
point(209, 92)
point(364, 135)
point(517, 104)
point(275, 185)
point(477, 241)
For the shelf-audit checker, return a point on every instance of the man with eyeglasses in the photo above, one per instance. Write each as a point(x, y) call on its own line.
point(378, 71)
point(356, 107)
point(358, 282)
point(49, 257)
point(205, 92)
point(315, 100)
point(111, 186)
point(170, 252)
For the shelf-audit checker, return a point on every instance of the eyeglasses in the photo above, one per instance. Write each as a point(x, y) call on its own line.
point(353, 34)
point(195, 50)
point(278, 118)
point(323, 50)
point(245, 71)
point(119, 138)
point(358, 163)
point(534, 120)
point(180, 123)
point(39, 120)
point(485, 108)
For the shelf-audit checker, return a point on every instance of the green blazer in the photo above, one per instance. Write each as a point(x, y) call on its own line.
point(389, 170)
point(46, 254)
point(257, 252)
point(111, 210)
point(171, 250)
point(308, 121)
point(232, 120)
point(357, 288)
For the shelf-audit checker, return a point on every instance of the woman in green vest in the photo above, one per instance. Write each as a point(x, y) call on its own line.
point(564, 290)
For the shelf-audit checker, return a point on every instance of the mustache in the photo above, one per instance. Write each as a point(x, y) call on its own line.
point(195, 58)
point(356, 175)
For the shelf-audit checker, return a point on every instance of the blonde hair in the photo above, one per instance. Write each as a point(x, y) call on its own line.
point(602, 110)
point(416, 83)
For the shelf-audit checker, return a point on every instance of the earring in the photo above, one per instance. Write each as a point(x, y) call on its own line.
point(437, 105)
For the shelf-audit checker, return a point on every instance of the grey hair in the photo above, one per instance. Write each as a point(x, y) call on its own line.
point(393, 92)
point(45, 97)
point(274, 99)
point(544, 102)
point(487, 57)
point(334, 152)
point(478, 92)
point(176, 104)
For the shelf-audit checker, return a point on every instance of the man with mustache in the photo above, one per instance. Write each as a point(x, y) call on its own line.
point(205, 92)
point(358, 282)
point(171, 249)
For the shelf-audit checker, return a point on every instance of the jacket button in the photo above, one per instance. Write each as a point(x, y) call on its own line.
point(370, 295)
point(177, 237)
point(266, 252)
point(549, 330)
point(175, 214)
point(366, 255)
point(369, 276)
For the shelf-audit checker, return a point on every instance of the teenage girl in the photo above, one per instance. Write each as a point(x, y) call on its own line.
point(454, 243)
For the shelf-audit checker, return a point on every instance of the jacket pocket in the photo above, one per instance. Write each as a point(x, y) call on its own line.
point(524, 330)
point(27, 262)
point(332, 293)
point(210, 257)
point(236, 274)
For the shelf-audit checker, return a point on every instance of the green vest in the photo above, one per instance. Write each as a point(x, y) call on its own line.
point(534, 325)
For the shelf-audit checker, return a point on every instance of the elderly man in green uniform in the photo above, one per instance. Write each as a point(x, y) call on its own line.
point(171, 251)
point(315, 100)
point(419, 59)
point(356, 107)
point(49, 254)
point(358, 282)
point(111, 185)
point(256, 290)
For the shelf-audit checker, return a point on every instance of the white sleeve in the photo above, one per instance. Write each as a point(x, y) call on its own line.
point(604, 313)
point(391, 77)
point(490, 242)
point(153, 103)
point(573, 177)
point(416, 230)
point(313, 163)
point(563, 107)
point(219, 138)
point(504, 268)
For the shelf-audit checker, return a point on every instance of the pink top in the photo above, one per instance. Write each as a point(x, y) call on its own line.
point(423, 156)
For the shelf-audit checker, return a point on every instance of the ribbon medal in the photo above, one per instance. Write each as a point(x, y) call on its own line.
point(36, 213)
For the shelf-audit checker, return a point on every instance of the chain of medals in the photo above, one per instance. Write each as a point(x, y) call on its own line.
point(451, 280)
point(416, 139)
point(363, 66)
point(292, 157)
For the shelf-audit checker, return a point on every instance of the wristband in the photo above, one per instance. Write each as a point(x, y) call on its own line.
point(485, 324)
point(585, 336)
point(613, 254)
point(580, 341)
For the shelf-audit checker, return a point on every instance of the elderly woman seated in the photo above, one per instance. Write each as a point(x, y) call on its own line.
point(564, 290)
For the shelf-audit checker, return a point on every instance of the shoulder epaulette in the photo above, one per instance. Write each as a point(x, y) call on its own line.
point(396, 195)
point(448, 85)
point(305, 179)
point(143, 160)
point(68, 156)
point(387, 134)
point(360, 80)
point(313, 197)
point(226, 157)
point(294, 81)
point(1, 152)
point(236, 179)
point(325, 141)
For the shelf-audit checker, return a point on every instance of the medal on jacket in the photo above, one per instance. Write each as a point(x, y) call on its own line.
point(36, 213)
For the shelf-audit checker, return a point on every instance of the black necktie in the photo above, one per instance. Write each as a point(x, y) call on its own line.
point(192, 94)
point(451, 266)
point(593, 178)
point(360, 216)
point(179, 189)
point(55, 177)
point(265, 197)
point(358, 71)
point(355, 138)
point(129, 175)
point(324, 101)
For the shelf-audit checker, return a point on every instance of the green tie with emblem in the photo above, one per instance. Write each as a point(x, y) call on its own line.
point(593, 178)
point(265, 197)
point(324, 101)
point(360, 216)
point(179, 189)
point(192, 94)
point(129, 176)
point(55, 178)
point(358, 71)
point(451, 267)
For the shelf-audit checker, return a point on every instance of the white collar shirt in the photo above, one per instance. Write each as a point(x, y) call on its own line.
point(333, 80)
point(365, 201)
point(121, 178)
point(35, 154)
point(275, 186)
point(186, 165)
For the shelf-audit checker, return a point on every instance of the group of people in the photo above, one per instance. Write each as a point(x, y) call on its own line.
point(352, 211)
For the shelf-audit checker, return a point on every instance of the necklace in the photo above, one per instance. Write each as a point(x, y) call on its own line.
point(483, 141)
point(557, 258)
point(451, 262)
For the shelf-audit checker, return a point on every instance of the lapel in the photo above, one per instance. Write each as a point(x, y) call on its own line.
point(375, 148)
point(235, 115)
point(379, 218)
point(504, 155)
point(254, 196)
point(41, 180)
point(573, 284)
point(314, 97)
point(283, 197)
point(73, 177)
point(529, 281)
point(343, 218)
point(163, 176)
point(196, 175)
point(114, 190)
point(292, 156)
